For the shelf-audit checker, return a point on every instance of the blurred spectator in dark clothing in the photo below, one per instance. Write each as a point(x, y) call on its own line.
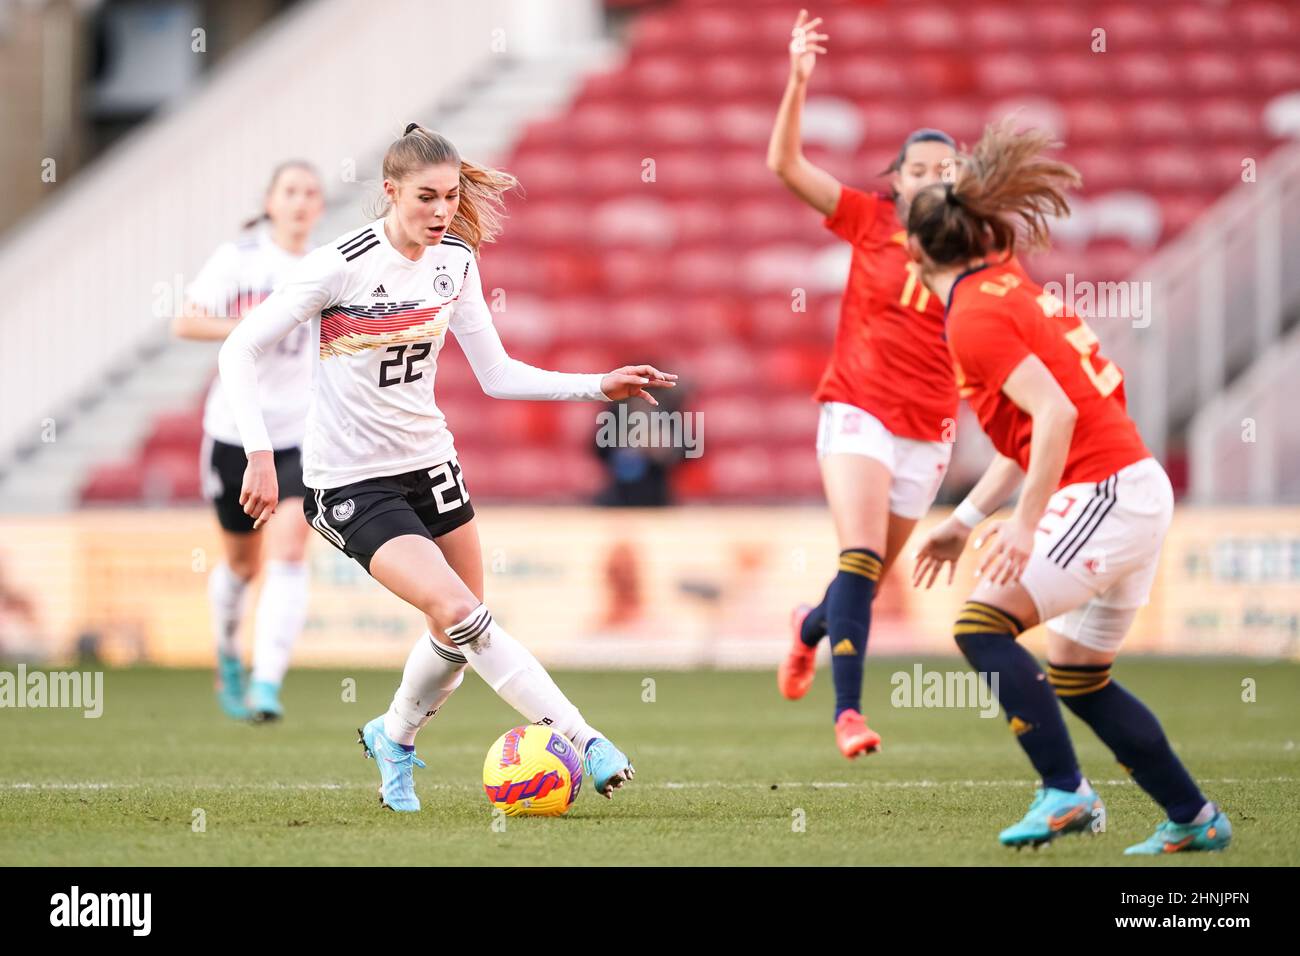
point(639, 448)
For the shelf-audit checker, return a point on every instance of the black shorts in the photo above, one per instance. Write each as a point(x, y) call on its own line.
point(223, 479)
point(359, 518)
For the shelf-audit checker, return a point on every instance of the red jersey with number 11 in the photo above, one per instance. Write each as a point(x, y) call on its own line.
point(889, 357)
point(996, 318)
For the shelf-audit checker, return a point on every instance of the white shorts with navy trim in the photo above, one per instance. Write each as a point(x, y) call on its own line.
point(1098, 547)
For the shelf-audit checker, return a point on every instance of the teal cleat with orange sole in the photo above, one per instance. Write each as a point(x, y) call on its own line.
point(1173, 837)
point(1053, 813)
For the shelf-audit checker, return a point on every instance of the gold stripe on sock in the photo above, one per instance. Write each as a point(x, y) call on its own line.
point(866, 562)
point(1006, 619)
point(1068, 682)
point(993, 623)
point(870, 573)
point(991, 619)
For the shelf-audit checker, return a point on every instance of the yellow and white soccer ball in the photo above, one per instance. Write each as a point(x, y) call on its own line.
point(532, 771)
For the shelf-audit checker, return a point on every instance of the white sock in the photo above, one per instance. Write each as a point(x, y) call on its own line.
point(227, 598)
point(1084, 788)
point(281, 613)
point(432, 672)
point(1205, 816)
point(511, 670)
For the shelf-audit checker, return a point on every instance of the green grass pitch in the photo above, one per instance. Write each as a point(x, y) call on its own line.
point(726, 772)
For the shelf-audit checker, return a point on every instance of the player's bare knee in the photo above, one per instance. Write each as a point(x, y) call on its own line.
point(438, 632)
point(446, 612)
point(291, 552)
point(245, 567)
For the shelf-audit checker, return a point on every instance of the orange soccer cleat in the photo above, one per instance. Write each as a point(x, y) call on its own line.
point(854, 736)
point(795, 675)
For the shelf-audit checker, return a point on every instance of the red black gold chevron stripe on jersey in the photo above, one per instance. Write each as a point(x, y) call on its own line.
point(348, 330)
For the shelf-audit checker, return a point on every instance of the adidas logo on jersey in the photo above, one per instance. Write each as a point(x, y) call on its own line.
point(379, 292)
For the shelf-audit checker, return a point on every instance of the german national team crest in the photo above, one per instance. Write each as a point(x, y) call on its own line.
point(343, 510)
point(443, 285)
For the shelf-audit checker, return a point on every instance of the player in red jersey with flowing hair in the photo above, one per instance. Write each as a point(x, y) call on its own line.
point(1079, 552)
point(889, 406)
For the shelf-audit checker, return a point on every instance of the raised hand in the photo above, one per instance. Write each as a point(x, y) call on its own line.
point(805, 44)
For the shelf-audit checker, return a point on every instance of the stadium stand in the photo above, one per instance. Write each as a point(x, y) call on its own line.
point(652, 231)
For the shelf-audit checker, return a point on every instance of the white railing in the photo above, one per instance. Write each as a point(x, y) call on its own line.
point(1217, 295)
point(90, 275)
point(1245, 444)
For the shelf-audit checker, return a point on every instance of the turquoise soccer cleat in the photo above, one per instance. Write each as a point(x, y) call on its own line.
point(230, 687)
point(264, 702)
point(1053, 813)
point(1173, 837)
point(396, 773)
point(606, 766)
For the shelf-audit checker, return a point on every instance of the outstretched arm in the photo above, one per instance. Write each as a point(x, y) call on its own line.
point(501, 376)
point(785, 157)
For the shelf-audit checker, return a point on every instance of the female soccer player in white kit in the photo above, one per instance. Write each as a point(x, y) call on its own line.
point(380, 465)
point(236, 278)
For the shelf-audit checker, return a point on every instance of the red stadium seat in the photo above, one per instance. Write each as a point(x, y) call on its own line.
point(1265, 21)
point(181, 431)
point(1276, 70)
point(1199, 25)
point(1158, 120)
point(115, 482)
point(993, 26)
point(1004, 73)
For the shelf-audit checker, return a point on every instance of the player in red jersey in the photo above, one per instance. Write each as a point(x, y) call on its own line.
point(889, 406)
point(1079, 553)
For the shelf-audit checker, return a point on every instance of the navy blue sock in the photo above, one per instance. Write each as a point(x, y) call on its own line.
point(814, 625)
point(987, 637)
point(1131, 731)
point(848, 622)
